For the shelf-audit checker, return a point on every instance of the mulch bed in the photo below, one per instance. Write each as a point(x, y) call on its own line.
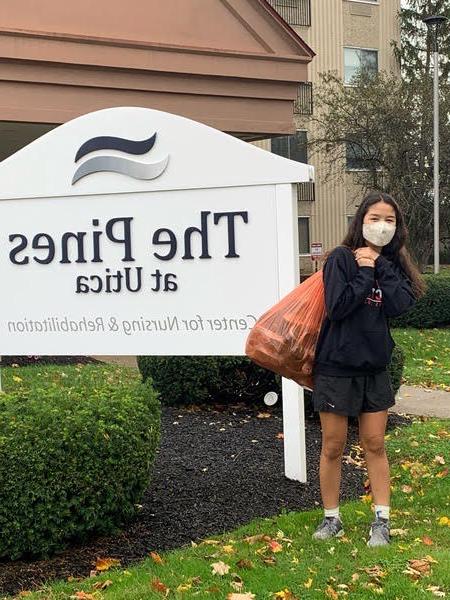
point(217, 468)
point(26, 361)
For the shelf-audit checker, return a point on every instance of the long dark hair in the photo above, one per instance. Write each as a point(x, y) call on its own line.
point(396, 250)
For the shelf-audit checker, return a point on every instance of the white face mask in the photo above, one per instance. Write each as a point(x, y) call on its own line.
point(379, 233)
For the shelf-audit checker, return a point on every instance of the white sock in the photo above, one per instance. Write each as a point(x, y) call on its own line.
point(382, 511)
point(332, 512)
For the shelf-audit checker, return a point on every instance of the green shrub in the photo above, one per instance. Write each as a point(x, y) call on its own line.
point(433, 310)
point(75, 455)
point(180, 379)
point(200, 379)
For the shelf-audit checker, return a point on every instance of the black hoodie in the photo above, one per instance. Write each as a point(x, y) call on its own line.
point(354, 338)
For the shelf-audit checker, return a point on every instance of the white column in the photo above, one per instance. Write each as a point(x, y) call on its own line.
point(288, 278)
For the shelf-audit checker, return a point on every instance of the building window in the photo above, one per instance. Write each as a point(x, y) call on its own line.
point(291, 146)
point(303, 235)
point(304, 103)
point(295, 12)
point(357, 60)
point(306, 191)
point(360, 155)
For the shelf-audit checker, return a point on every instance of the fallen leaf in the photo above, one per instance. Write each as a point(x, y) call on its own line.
point(156, 557)
point(407, 489)
point(418, 567)
point(375, 571)
point(440, 460)
point(285, 595)
point(257, 538)
point(228, 549)
point(399, 532)
point(436, 591)
point(443, 473)
point(431, 559)
point(237, 585)
point(244, 563)
point(263, 415)
point(275, 546)
point(220, 568)
point(308, 583)
point(427, 540)
point(103, 564)
point(246, 596)
point(367, 498)
point(159, 586)
point(373, 587)
point(331, 593)
point(101, 585)
point(443, 432)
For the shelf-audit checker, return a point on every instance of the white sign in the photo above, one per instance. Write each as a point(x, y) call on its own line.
point(102, 250)
point(135, 231)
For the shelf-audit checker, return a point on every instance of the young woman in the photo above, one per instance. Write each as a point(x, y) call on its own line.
point(367, 279)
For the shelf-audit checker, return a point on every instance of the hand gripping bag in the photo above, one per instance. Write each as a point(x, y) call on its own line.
point(284, 338)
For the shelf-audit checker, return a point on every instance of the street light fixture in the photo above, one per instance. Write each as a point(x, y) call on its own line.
point(434, 23)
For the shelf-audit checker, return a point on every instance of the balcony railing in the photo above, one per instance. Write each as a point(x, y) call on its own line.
point(306, 191)
point(295, 12)
point(304, 103)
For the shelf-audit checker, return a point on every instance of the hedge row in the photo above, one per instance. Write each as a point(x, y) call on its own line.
point(222, 379)
point(75, 456)
point(433, 310)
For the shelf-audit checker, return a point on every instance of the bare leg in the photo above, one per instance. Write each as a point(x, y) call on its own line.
point(372, 428)
point(334, 437)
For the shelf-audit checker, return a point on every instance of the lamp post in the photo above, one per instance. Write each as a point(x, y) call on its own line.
point(434, 23)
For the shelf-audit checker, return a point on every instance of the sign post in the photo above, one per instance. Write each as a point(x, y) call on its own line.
point(135, 231)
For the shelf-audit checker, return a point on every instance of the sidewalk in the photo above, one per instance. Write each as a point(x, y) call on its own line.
point(125, 361)
point(410, 399)
point(416, 400)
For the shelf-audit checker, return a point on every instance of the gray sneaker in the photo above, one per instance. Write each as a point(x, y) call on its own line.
point(330, 527)
point(379, 532)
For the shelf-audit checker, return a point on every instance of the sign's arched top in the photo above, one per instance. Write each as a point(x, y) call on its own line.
point(132, 149)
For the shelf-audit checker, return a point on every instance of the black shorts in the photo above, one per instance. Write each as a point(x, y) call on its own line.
point(352, 395)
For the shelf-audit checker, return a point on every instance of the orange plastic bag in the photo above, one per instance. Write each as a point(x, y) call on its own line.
point(284, 338)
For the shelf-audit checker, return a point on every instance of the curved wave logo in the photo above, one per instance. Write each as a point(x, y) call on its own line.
point(118, 164)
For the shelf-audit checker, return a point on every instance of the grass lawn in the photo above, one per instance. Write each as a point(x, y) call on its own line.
point(13, 379)
point(276, 558)
point(427, 356)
